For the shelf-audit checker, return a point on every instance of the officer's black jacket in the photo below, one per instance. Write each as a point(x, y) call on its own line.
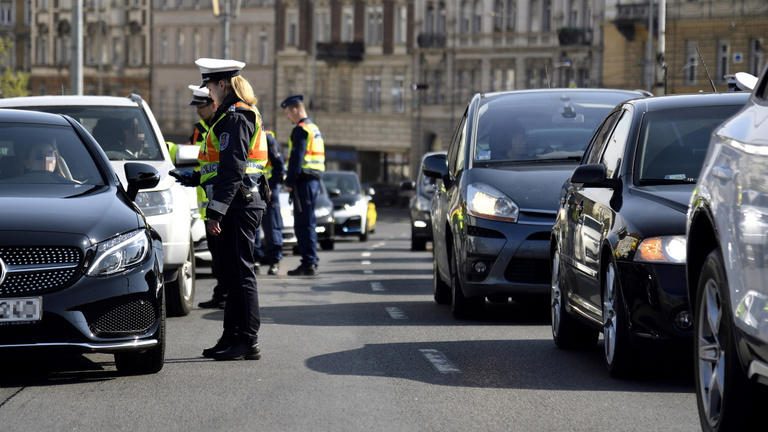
point(232, 188)
point(276, 160)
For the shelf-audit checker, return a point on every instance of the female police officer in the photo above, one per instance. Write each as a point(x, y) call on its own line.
point(232, 167)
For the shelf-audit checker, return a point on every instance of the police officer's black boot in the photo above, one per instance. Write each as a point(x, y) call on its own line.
point(244, 349)
point(273, 269)
point(303, 270)
point(213, 303)
point(225, 341)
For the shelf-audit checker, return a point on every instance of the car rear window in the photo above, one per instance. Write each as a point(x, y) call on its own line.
point(346, 183)
point(674, 142)
point(42, 154)
point(123, 132)
point(541, 126)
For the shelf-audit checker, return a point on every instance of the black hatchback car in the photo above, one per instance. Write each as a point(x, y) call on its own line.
point(80, 269)
point(618, 247)
point(493, 213)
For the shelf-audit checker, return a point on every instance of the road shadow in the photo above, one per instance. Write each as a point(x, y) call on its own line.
point(418, 313)
point(387, 260)
point(361, 269)
point(505, 364)
point(52, 368)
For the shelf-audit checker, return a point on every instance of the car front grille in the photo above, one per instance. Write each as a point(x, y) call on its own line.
point(522, 270)
point(133, 317)
point(38, 270)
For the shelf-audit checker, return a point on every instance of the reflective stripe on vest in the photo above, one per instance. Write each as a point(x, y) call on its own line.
point(314, 156)
point(198, 138)
point(268, 168)
point(257, 147)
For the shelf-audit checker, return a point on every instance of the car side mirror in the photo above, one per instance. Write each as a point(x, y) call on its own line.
point(592, 175)
point(436, 166)
point(334, 192)
point(186, 155)
point(408, 185)
point(140, 176)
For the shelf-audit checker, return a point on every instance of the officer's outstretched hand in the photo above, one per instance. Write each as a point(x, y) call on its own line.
point(186, 176)
point(213, 227)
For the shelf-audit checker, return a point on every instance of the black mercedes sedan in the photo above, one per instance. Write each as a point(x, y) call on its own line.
point(618, 246)
point(80, 269)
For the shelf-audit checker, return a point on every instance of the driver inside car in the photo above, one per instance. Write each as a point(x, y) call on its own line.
point(508, 142)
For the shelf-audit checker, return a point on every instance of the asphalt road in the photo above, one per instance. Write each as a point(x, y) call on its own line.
point(361, 347)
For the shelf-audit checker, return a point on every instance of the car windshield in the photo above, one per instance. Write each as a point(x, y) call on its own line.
point(541, 126)
point(674, 142)
point(346, 183)
point(40, 154)
point(123, 132)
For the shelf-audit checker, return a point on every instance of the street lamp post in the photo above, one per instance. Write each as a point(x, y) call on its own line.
point(76, 64)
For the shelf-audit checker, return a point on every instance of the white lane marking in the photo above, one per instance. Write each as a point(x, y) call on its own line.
point(378, 245)
point(365, 254)
point(377, 286)
point(396, 313)
point(367, 271)
point(365, 262)
point(440, 361)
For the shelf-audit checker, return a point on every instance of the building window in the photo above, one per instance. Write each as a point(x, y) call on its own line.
point(196, 44)
point(723, 55)
point(466, 16)
point(344, 94)
point(691, 62)
point(263, 49)
point(374, 25)
point(503, 79)
point(180, 48)
point(477, 18)
point(756, 57)
point(117, 51)
point(6, 14)
point(163, 47)
point(498, 16)
point(246, 55)
point(136, 53)
point(441, 16)
point(401, 25)
point(42, 50)
point(292, 28)
point(347, 24)
point(323, 26)
point(511, 14)
point(398, 94)
point(546, 16)
point(372, 94)
point(62, 50)
point(429, 18)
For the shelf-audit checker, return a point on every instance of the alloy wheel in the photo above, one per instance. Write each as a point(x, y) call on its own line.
point(711, 353)
point(609, 314)
point(556, 294)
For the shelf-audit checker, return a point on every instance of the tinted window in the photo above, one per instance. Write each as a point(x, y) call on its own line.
point(614, 150)
point(456, 150)
point(673, 142)
point(41, 154)
point(601, 138)
point(123, 132)
point(346, 183)
point(536, 126)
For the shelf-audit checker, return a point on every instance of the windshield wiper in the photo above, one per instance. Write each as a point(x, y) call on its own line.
point(661, 182)
point(489, 163)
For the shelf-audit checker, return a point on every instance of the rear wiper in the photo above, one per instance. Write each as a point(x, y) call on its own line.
point(660, 182)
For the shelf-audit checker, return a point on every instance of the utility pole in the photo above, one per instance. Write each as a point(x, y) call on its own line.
point(650, 64)
point(76, 63)
point(226, 24)
point(661, 47)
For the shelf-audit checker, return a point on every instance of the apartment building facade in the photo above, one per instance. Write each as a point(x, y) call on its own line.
point(185, 30)
point(116, 47)
point(15, 17)
point(703, 37)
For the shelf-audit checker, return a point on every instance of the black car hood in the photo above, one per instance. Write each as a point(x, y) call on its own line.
point(657, 210)
point(535, 187)
point(94, 212)
point(676, 197)
point(339, 201)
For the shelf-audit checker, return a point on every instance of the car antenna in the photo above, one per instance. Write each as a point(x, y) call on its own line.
point(712, 83)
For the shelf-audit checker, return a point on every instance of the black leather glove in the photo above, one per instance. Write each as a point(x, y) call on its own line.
point(186, 177)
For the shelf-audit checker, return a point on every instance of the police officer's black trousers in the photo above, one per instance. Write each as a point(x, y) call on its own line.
point(219, 290)
point(237, 273)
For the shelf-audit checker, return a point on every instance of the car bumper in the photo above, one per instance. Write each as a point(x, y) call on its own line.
point(348, 223)
point(325, 228)
point(656, 299)
point(515, 256)
point(106, 314)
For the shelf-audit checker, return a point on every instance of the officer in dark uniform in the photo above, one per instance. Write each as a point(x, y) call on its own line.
point(235, 154)
point(306, 164)
point(273, 220)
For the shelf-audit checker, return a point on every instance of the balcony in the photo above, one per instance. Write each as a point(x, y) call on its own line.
point(340, 51)
point(431, 40)
point(574, 36)
point(628, 16)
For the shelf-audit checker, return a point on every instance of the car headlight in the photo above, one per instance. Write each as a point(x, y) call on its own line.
point(120, 253)
point(322, 212)
point(488, 202)
point(422, 203)
point(153, 203)
point(668, 249)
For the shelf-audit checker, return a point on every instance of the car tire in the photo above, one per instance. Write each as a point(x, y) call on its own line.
point(618, 346)
point(181, 292)
point(418, 244)
point(364, 236)
point(567, 331)
point(327, 244)
point(738, 404)
point(145, 362)
point(441, 291)
point(462, 307)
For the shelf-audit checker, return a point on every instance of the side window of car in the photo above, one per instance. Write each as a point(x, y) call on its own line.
point(461, 148)
point(614, 150)
point(600, 138)
point(455, 156)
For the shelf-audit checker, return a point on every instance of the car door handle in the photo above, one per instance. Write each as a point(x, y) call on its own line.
point(722, 173)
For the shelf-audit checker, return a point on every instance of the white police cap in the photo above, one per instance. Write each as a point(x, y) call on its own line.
point(217, 69)
point(200, 96)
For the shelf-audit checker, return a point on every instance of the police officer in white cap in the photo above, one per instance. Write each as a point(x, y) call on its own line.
point(234, 158)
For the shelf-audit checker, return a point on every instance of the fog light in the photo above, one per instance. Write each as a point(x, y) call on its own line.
point(479, 267)
point(683, 320)
point(419, 224)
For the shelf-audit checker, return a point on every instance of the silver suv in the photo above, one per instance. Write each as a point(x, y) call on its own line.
point(127, 132)
point(728, 268)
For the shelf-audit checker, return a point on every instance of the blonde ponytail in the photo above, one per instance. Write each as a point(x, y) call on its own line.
point(243, 90)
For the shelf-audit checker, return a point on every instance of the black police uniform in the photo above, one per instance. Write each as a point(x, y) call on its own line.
point(238, 206)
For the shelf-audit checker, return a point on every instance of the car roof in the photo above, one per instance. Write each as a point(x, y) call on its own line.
point(341, 172)
point(639, 93)
point(33, 101)
point(690, 100)
point(20, 116)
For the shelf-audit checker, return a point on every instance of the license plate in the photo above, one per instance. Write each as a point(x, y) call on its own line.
point(21, 309)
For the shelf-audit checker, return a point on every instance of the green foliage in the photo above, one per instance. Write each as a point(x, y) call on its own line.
point(12, 83)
